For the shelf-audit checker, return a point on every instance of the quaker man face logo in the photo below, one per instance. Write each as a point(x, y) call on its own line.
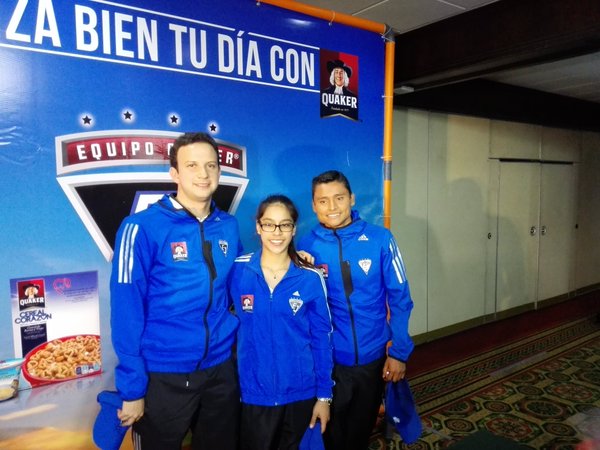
point(179, 251)
point(324, 268)
point(247, 302)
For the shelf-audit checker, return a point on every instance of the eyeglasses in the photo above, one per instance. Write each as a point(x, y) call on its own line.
point(285, 227)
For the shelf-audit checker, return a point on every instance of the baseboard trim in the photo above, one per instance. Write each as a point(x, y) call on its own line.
point(501, 315)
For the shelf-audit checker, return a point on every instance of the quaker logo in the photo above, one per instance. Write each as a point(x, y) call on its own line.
point(324, 268)
point(179, 251)
point(296, 302)
point(31, 294)
point(339, 84)
point(103, 198)
point(247, 302)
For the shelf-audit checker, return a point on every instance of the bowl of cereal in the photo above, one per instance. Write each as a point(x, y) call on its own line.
point(63, 359)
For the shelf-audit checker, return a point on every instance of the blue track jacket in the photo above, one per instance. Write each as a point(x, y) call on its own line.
point(169, 313)
point(364, 273)
point(284, 348)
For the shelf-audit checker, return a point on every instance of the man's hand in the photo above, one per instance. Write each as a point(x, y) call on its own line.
point(131, 412)
point(306, 256)
point(393, 370)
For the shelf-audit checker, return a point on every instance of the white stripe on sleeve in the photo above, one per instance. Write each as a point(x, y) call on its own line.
point(397, 261)
point(126, 257)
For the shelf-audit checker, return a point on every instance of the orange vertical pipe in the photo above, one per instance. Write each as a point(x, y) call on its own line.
point(388, 111)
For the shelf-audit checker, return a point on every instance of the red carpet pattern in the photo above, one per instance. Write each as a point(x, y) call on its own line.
point(542, 392)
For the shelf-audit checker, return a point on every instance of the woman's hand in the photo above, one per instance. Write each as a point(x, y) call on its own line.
point(321, 413)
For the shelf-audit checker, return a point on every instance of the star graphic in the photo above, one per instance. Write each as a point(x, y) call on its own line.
point(213, 128)
point(127, 115)
point(87, 120)
point(174, 119)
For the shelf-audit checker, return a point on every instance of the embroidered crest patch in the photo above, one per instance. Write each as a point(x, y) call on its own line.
point(224, 245)
point(365, 265)
point(296, 302)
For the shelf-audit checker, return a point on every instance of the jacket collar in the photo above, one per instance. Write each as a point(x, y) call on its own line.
point(353, 228)
point(169, 201)
point(254, 264)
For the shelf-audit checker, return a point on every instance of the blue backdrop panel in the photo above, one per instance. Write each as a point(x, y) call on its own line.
point(95, 71)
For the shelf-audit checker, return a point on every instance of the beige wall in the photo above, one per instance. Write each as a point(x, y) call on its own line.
point(445, 186)
point(588, 219)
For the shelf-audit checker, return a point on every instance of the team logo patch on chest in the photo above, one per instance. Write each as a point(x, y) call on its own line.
point(324, 268)
point(224, 246)
point(247, 302)
point(365, 265)
point(179, 251)
point(296, 302)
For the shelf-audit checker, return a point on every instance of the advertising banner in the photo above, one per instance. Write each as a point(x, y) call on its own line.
point(92, 95)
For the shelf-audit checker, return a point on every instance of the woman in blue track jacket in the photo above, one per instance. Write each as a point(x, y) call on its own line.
point(284, 349)
point(365, 279)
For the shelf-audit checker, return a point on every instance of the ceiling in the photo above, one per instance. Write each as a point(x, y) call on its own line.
point(577, 77)
point(401, 15)
point(574, 73)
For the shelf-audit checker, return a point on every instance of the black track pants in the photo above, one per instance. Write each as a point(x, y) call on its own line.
point(357, 396)
point(275, 427)
point(207, 402)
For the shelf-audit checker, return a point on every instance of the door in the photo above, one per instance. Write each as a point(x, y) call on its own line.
point(518, 217)
point(536, 232)
point(557, 229)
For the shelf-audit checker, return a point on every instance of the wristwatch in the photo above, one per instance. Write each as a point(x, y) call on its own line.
point(327, 400)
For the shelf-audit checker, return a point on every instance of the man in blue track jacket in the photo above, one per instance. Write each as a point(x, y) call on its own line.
point(172, 329)
point(365, 278)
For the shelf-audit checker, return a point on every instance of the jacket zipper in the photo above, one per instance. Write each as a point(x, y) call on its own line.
point(348, 289)
point(271, 333)
point(212, 270)
point(207, 253)
point(271, 292)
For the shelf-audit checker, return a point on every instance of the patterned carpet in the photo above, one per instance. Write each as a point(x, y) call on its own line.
point(542, 392)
